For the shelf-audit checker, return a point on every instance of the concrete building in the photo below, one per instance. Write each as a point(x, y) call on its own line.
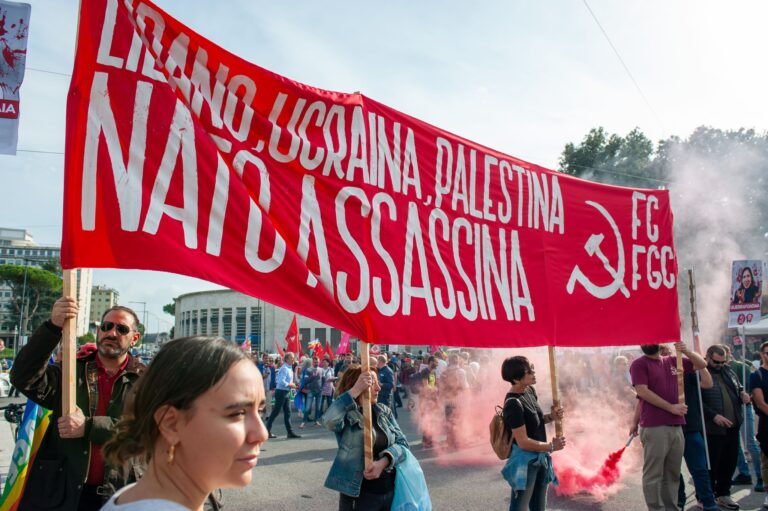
point(17, 246)
point(237, 317)
point(102, 299)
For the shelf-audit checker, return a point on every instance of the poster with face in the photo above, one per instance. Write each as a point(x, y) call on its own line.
point(746, 292)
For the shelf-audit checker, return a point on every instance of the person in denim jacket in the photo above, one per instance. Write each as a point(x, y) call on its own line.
point(374, 488)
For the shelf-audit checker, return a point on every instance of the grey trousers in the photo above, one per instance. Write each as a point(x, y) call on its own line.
point(663, 448)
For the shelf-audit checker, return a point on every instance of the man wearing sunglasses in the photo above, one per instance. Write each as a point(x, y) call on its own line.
point(724, 415)
point(69, 472)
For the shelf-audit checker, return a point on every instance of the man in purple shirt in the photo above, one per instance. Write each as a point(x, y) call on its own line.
point(660, 416)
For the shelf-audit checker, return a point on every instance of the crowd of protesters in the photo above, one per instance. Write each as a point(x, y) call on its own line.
point(230, 400)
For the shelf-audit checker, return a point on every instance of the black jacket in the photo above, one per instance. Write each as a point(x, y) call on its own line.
point(61, 466)
point(712, 400)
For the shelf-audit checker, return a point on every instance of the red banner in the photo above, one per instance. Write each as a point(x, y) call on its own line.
point(184, 158)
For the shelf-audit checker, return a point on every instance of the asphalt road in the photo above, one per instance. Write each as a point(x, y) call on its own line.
point(291, 473)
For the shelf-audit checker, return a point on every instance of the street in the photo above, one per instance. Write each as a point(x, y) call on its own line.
point(290, 476)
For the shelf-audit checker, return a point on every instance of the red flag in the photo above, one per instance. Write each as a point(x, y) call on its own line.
point(279, 350)
point(293, 343)
point(343, 345)
point(329, 350)
point(397, 231)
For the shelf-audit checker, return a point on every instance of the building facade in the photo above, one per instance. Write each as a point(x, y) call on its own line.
point(102, 299)
point(18, 247)
point(238, 317)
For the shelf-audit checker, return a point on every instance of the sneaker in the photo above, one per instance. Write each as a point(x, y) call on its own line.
point(742, 479)
point(765, 503)
point(294, 435)
point(272, 435)
point(759, 486)
point(317, 423)
point(726, 502)
point(301, 426)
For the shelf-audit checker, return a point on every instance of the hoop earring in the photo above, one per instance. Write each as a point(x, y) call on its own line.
point(171, 454)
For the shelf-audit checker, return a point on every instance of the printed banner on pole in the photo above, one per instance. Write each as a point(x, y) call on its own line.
point(746, 292)
point(14, 31)
point(182, 157)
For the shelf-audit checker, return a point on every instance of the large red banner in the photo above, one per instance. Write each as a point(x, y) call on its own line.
point(185, 158)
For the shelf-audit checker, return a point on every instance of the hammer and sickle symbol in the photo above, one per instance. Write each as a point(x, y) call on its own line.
point(592, 247)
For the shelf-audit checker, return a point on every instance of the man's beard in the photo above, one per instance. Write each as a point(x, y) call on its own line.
point(112, 352)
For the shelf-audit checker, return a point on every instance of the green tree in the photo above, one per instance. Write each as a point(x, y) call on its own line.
point(86, 338)
point(34, 293)
point(612, 159)
point(170, 308)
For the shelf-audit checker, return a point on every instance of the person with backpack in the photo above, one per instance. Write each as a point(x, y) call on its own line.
point(529, 467)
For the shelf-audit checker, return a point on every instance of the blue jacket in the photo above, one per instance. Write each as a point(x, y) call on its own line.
point(387, 382)
point(345, 419)
point(515, 471)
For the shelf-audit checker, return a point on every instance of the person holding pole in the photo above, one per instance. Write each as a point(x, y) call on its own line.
point(529, 467)
point(371, 487)
point(696, 451)
point(69, 472)
point(660, 415)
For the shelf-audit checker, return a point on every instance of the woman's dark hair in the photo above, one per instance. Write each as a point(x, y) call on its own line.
point(751, 276)
point(182, 371)
point(513, 369)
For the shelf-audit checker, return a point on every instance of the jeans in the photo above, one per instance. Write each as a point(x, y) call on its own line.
point(325, 402)
point(696, 461)
point(282, 403)
point(534, 497)
point(309, 398)
point(748, 428)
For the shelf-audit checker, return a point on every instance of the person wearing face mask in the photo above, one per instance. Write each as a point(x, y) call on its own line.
point(660, 416)
point(69, 472)
point(724, 415)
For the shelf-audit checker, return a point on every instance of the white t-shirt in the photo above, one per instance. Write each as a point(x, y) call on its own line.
point(142, 505)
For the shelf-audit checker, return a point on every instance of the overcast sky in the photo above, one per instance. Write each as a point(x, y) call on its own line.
point(521, 77)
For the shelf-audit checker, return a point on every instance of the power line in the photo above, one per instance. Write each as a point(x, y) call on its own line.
point(626, 174)
point(624, 65)
point(68, 75)
point(38, 152)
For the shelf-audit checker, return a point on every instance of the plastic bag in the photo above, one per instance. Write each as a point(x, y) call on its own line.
point(411, 492)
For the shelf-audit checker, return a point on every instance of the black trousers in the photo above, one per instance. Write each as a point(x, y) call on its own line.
point(282, 404)
point(367, 502)
point(723, 457)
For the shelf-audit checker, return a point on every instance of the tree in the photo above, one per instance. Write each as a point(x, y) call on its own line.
point(34, 293)
point(170, 308)
point(611, 159)
point(86, 338)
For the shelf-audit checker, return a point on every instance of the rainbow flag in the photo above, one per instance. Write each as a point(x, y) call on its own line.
point(33, 427)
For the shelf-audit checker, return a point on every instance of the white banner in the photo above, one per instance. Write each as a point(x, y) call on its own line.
point(14, 31)
point(746, 292)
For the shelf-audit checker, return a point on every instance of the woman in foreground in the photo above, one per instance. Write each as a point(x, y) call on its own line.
point(194, 421)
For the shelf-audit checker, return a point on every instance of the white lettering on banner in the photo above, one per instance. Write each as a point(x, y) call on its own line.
point(311, 221)
point(181, 141)
point(386, 308)
point(127, 177)
point(363, 294)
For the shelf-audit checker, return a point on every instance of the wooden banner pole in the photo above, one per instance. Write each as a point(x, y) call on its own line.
point(680, 376)
point(68, 346)
point(555, 391)
point(365, 359)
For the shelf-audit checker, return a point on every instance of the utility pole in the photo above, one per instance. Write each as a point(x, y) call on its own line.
point(143, 314)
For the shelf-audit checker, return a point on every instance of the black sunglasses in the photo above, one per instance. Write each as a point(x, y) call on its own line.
point(106, 326)
point(715, 362)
